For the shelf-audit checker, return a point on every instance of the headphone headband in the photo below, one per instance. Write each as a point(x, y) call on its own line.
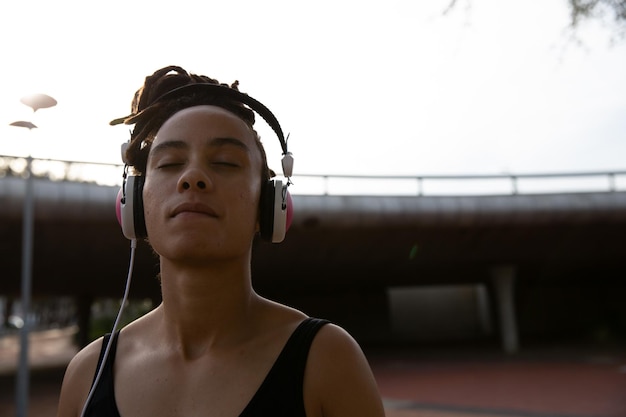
point(231, 93)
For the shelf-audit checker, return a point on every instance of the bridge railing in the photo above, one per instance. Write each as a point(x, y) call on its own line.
point(63, 170)
point(325, 184)
point(469, 184)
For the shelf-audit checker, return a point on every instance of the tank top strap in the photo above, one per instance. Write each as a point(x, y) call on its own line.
point(296, 351)
point(103, 400)
point(281, 393)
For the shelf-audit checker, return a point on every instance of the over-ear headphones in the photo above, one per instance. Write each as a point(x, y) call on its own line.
point(275, 205)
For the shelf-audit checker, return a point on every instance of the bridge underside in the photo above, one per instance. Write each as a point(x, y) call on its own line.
point(342, 256)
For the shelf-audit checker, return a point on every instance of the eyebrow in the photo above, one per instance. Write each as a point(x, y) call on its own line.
point(217, 142)
point(213, 143)
point(170, 144)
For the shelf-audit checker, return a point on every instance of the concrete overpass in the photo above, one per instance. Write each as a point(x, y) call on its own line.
point(527, 266)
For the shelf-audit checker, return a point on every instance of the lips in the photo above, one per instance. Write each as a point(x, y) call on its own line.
point(193, 208)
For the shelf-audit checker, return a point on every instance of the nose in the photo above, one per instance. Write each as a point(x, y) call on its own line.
point(194, 179)
point(201, 185)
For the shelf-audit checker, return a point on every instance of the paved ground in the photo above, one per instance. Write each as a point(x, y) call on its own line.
point(554, 382)
point(542, 383)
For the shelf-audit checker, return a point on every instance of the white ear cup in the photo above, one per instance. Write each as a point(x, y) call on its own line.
point(131, 208)
point(280, 212)
point(126, 208)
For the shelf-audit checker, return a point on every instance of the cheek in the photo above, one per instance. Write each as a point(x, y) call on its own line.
point(149, 202)
point(249, 200)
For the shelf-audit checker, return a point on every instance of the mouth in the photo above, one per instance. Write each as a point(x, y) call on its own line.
point(193, 208)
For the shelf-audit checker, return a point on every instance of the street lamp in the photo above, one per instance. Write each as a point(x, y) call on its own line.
point(22, 123)
point(35, 101)
point(38, 101)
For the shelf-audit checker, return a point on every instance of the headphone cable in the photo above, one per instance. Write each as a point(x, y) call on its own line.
point(133, 246)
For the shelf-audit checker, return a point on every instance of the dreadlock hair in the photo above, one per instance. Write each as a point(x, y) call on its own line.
point(148, 113)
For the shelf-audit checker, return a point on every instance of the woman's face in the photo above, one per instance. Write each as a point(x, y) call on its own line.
point(202, 186)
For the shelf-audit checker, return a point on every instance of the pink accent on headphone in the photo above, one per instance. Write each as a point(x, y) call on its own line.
point(118, 207)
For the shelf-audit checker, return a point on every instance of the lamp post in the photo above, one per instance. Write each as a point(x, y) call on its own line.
point(36, 101)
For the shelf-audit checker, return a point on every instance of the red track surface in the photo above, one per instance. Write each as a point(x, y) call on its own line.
point(583, 384)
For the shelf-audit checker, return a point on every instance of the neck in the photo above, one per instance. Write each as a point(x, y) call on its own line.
point(206, 307)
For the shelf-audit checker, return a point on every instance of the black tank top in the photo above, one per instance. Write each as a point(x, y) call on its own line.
point(279, 395)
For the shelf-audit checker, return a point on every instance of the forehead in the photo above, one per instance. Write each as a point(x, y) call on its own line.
point(205, 122)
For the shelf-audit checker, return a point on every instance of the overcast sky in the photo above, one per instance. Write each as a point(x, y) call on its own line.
point(363, 87)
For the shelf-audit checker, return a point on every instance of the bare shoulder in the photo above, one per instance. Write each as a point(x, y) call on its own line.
point(338, 380)
point(333, 338)
point(77, 380)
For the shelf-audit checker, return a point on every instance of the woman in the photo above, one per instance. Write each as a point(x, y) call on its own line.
point(213, 347)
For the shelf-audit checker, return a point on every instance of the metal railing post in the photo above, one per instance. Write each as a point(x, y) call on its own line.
point(514, 184)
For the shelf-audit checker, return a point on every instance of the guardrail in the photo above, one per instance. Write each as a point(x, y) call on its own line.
point(327, 184)
point(101, 173)
point(473, 184)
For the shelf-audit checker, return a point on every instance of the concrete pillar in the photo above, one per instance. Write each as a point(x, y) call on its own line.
point(503, 278)
point(483, 309)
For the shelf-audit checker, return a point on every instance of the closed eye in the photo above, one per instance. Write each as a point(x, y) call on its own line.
point(166, 165)
point(228, 164)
